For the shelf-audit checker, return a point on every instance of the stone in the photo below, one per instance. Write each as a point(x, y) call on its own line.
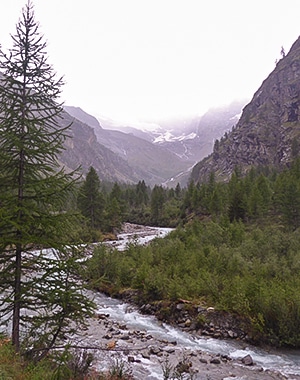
point(231, 334)
point(111, 345)
point(169, 350)
point(215, 361)
point(154, 350)
point(125, 337)
point(102, 316)
point(247, 360)
point(145, 355)
point(107, 336)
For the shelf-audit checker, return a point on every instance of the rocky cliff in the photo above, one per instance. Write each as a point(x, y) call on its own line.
point(82, 149)
point(268, 130)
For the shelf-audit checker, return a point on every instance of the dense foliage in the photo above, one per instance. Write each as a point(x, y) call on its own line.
point(41, 298)
point(237, 249)
point(105, 206)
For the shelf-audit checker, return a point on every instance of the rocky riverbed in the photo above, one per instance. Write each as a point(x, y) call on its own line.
point(176, 341)
point(148, 357)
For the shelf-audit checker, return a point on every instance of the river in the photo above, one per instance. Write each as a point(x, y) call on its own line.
point(149, 344)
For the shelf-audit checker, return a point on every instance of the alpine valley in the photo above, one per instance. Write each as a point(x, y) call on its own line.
point(163, 152)
point(263, 133)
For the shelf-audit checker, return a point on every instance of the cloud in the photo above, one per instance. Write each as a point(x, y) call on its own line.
point(138, 59)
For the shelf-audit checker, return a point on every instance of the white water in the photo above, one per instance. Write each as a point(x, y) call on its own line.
point(286, 362)
point(140, 237)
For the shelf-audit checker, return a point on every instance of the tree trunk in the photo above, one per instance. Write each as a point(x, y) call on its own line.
point(17, 302)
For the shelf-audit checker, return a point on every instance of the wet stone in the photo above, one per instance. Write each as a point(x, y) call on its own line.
point(215, 361)
point(247, 360)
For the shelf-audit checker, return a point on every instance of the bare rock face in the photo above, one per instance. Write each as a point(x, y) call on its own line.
point(268, 132)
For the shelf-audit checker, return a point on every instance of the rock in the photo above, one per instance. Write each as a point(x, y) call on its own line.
point(145, 355)
point(262, 135)
point(107, 336)
point(247, 360)
point(183, 367)
point(231, 334)
point(102, 316)
point(204, 361)
point(154, 350)
point(111, 345)
point(125, 337)
point(215, 361)
point(226, 358)
point(169, 350)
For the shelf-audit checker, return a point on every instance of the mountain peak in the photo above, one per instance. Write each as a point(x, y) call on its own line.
point(83, 116)
point(296, 45)
point(268, 128)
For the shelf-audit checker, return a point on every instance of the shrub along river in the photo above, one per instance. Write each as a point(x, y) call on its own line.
point(120, 337)
point(149, 349)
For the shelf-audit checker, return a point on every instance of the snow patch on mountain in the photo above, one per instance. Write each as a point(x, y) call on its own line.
point(169, 137)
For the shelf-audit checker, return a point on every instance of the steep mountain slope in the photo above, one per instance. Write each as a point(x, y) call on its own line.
point(152, 163)
point(190, 138)
point(83, 149)
point(82, 116)
point(268, 132)
point(193, 139)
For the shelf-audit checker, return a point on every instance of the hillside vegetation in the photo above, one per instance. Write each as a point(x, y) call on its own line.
point(236, 248)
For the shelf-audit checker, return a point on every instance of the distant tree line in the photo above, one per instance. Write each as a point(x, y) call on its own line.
point(263, 194)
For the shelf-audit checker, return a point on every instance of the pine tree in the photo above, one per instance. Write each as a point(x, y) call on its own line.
point(115, 208)
point(91, 200)
point(40, 294)
point(157, 202)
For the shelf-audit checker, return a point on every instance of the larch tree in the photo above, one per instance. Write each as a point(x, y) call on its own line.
point(40, 294)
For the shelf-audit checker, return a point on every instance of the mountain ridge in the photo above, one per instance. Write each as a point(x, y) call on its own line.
point(268, 128)
point(163, 154)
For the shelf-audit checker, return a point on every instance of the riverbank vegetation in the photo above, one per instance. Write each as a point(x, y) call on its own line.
point(236, 248)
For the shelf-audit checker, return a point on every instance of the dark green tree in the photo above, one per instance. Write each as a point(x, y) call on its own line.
point(115, 208)
point(236, 198)
point(39, 291)
point(157, 204)
point(287, 198)
point(178, 191)
point(91, 200)
point(142, 197)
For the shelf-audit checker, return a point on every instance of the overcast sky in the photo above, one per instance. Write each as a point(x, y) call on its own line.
point(136, 60)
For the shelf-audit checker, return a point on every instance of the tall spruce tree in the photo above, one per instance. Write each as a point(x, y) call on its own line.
point(40, 295)
point(90, 199)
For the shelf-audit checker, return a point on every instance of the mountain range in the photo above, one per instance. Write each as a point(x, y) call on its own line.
point(265, 132)
point(160, 153)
